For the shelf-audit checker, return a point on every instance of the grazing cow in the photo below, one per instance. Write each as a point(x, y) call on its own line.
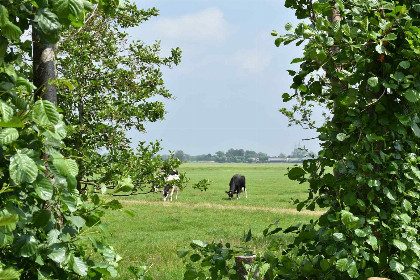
point(170, 188)
point(236, 185)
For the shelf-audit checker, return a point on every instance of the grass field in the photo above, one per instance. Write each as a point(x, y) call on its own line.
point(159, 228)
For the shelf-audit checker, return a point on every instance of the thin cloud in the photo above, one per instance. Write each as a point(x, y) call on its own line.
point(252, 61)
point(205, 26)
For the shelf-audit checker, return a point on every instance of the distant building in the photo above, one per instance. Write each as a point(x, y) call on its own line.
point(284, 160)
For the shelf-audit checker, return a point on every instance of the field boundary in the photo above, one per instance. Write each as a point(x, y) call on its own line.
point(225, 207)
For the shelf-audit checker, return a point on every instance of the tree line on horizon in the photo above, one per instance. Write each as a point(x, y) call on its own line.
point(239, 156)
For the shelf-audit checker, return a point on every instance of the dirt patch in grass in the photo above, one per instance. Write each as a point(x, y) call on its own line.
point(223, 207)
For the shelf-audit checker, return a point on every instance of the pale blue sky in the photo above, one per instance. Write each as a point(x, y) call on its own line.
point(229, 84)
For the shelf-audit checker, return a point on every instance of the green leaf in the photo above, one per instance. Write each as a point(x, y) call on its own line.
point(66, 167)
point(8, 222)
point(349, 220)
point(199, 243)
point(6, 111)
point(296, 173)
point(398, 76)
point(57, 253)
point(372, 241)
point(43, 188)
point(336, 26)
point(182, 252)
point(65, 7)
point(10, 274)
point(380, 49)
point(372, 137)
point(389, 194)
point(30, 246)
point(342, 136)
point(195, 257)
point(77, 221)
point(45, 113)
point(79, 266)
point(399, 244)
point(289, 27)
point(11, 31)
point(321, 55)
point(360, 233)
point(8, 136)
point(87, 5)
point(49, 24)
point(390, 37)
point(24, 82)
point(342, 264)
point(325, 264)
point(352, 269)
point(41, 218)
point(4, 16)
point(404, 64)
point(53, 237)
point(396, 266)
point(407, 205)
point(70, 202)
point(22, 168)
point(412, 95)
point(338, 236)
point(416, 129)
point(373, 81)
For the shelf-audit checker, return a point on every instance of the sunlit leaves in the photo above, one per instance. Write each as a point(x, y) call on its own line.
point(11, 31)
point(65, 7)
point(370, 141)
point(9, 273)
point(49, 24)
point(373, 81)
point(79, 266)
point(45, 113)
point(43, 188)
point(6, 112)
point(8, 222)
point(4, 16)
point(8, 136)
point(396, 266)
point(66, 167)
point(22, 168)
point(412, 95)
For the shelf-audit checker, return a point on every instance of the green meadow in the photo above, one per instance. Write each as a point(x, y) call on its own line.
point(160, 228)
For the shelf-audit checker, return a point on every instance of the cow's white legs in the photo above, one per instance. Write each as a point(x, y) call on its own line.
point(246, 195)
point(176, 193)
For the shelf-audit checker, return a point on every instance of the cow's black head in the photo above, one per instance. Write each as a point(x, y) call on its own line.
point(230, 194)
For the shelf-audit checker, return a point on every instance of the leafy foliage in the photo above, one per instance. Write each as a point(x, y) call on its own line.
point(116, 86)
point(45, 223)
point(361, 62)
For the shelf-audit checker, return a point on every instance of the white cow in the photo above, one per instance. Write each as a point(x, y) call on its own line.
point(170, 188)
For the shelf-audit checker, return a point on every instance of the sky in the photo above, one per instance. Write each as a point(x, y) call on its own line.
point(229, 83)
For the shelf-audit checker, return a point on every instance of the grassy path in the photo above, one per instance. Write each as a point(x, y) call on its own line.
point(224, 207)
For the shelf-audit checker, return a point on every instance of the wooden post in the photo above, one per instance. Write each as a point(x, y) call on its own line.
point(377, 278)
point(240, 268)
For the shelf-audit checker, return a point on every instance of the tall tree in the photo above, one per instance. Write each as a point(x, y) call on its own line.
point(118, 87)
point(44, 221)
point(361, 62)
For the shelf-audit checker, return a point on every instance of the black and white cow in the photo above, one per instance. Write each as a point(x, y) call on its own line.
point(236, 185)
point(170, 188)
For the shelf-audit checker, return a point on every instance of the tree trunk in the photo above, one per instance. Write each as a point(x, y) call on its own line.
point(240, 268)
point(43, 68)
